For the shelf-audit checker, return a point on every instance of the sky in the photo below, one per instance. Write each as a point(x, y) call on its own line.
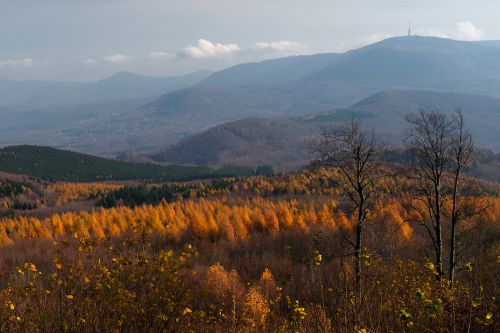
point(83, 40)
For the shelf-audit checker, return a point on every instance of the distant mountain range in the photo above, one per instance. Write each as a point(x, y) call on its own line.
point(123, 85)
point(379, 82)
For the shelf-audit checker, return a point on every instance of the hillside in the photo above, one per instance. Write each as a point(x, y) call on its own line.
point(253, 142)
point(282, 141)
point(482, 112)
point(60, 165)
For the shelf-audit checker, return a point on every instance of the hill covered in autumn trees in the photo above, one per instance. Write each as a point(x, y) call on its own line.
point(250, 254)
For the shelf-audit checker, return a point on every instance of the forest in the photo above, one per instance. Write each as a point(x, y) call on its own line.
point(61, 165)
point(355, 242)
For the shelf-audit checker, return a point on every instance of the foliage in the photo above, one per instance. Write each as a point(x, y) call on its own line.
point(242, 255)
point(100, 288)
point(11, 188)
point(66, 192)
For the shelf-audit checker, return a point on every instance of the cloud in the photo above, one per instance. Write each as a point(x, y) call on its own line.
point(467, 31)
point(87, 61)
point(283, 47)
point(24, 62)
point(159, 55)
point(463, 30)
point(117, 58)
point(206, 49)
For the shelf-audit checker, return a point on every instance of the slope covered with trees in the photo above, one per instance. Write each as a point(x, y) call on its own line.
point(353, 244)
point(55, 164)
point(275, 261)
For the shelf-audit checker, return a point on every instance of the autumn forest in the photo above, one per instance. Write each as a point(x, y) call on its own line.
point(355, 242)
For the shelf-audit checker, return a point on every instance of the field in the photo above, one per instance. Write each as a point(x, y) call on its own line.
point(240, 254)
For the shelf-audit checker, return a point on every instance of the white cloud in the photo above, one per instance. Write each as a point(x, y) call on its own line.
point(87, 61)
point(284, 47)
point(206, 49)
point(159, 55)
point(467, 31)
point(24, 62)
point(463, 30)
point(117, 58)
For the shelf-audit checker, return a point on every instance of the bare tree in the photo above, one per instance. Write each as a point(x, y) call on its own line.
point(442, 149)
point(461, 153)
point(353, 153)
point(429, 140)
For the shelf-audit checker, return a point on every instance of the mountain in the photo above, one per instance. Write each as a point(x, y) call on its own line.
point(123, 85)
point(423, 63)
point(57, 113)
point(296, 86)
point(412, 62)
point(269, 71)
point(282, 141)
point(420, 62)
point(129, 85)
point(287, 87)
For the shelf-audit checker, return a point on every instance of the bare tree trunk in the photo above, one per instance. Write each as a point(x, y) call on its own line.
point(462, 151)
point(454, 222)
point(439, 253)
point(358, 255)
point(439, 240)
point(358, 249)
point(451, 276)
